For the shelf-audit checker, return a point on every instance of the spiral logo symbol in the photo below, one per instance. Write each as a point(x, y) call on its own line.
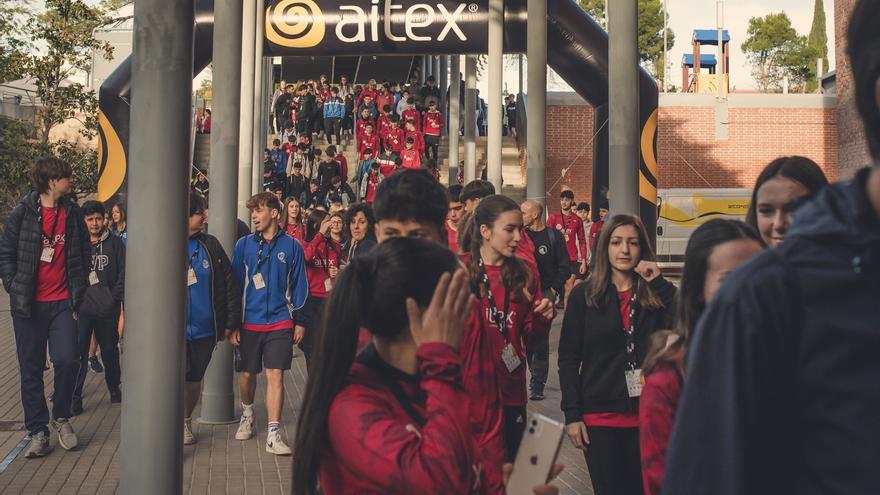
point(295, 23)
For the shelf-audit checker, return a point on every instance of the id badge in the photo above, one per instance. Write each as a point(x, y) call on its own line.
point(47, 254)
point(328, 284)
point(93, 278)
point(633, 382)
point(510, 358)
point(259, 283)
point(191, 277)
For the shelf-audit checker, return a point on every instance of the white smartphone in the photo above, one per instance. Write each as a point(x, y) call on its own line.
point(537, 454)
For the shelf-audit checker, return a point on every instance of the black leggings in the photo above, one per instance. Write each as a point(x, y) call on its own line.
point(332, 127)
point(614, 461)
point(514, 427)
point(313, 307)
point(432, 145)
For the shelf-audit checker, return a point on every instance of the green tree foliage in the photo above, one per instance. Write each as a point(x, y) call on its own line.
point(13, 48)
point(66, 30)
point(818, 40)
point(775, 49)
point(650, 31)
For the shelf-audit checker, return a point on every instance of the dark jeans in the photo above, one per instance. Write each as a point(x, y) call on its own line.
point(304, 127)
point(108, 338)
point(538, 358)
point(52, 323)
point(332, 127)
point(514, 426)
point(614, 461)
point(432, 145)
point(314, 305)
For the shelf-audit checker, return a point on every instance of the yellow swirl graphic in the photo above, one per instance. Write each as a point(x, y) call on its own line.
point(648, 183)
point(111, 160)
point(295, 23)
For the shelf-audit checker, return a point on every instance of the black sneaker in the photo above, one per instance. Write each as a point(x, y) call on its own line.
point(115, 396)
point(76, 407)
point(536, 396)
point(96, 365)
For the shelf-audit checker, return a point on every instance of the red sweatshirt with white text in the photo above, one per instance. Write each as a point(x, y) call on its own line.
point(320, 254)
point(376, 447)
point(573, 230)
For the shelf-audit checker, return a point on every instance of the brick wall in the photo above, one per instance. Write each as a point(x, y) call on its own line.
point(689, 156)
point(853, 151)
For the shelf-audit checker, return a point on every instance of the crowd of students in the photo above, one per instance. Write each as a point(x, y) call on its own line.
point(420, 310)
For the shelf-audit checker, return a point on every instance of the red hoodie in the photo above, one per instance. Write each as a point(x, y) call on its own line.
point(319, 256)
point(411, 158)
point(396, 138)
point(573, 230)
point(377, 447)
point(384, 123)
point(373, 92)
point(365, 142)
point(343, 165)
point(359, 127)
point(418, 140)
point(657, 407)
point(433, 123)
point(411, 114)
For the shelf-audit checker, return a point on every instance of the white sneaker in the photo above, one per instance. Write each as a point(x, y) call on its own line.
point(188, 437)
point(246, 428)
point(275, 445)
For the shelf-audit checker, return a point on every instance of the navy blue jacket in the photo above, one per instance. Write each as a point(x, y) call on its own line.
point(781, 391)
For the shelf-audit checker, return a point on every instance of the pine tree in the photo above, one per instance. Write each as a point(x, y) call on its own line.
point(818, 39)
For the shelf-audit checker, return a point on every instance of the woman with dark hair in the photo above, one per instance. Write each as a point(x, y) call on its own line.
point(119, 224)
point(784, 181)
point(360, 226)
point(509, 290)
point(292, 220)
point(323, 256)
point(389, 420)
point(605, 337)
point(715, 249)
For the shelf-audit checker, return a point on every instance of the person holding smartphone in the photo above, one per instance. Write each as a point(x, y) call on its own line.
point(605, 336)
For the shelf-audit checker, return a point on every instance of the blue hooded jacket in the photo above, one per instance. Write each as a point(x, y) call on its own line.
point(282, 267)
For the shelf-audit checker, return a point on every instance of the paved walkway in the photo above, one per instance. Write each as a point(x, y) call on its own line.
point(217, 464)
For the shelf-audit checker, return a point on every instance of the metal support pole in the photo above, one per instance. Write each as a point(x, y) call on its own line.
point(623, 104)
point(218, 399)
point(519, 87)
point(257, 98)
point(496, 86)
point(423, 73)
point(665, 45)
point(443, 82)
point(246, 114)
point(454, 117)
point(719, 66)
point(470, 118)
point(536, 104)
point(435, 70)
point(151, 455)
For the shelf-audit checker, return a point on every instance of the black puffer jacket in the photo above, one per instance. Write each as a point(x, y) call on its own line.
point(20, 246)
point(103, 299)
point(225, 298)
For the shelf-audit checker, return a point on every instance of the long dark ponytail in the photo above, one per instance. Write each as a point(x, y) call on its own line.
point(690, 302)
point(370, 292)
point(516, 277)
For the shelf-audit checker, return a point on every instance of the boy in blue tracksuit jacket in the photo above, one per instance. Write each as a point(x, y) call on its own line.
point(334, 112)
point(270, 269)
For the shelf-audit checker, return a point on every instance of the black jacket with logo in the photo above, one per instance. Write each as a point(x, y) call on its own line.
point(225, 299)
point(592, 349)
point(103, 300)
point(781, 387)
point(20, 246)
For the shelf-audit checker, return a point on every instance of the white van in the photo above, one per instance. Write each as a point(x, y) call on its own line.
point(683, 210)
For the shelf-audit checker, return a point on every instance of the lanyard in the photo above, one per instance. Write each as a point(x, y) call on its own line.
point(630, 331)
point(501, 320)
point(50, 238)
point(195, 254)
point(262, 241)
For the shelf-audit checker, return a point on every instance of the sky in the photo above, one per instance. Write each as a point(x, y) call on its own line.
point(687, 15)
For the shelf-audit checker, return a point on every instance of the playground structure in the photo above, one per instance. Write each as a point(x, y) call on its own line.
point(700, 82)
point(577, 51)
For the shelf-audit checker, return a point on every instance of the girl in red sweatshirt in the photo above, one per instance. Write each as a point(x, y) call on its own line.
point(715, 249)
point(389, 420)
point(293, 220)
point(511, 307)
point(323, 256)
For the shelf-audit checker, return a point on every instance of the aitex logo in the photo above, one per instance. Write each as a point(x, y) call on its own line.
point(295, 23)
point(301, 24)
